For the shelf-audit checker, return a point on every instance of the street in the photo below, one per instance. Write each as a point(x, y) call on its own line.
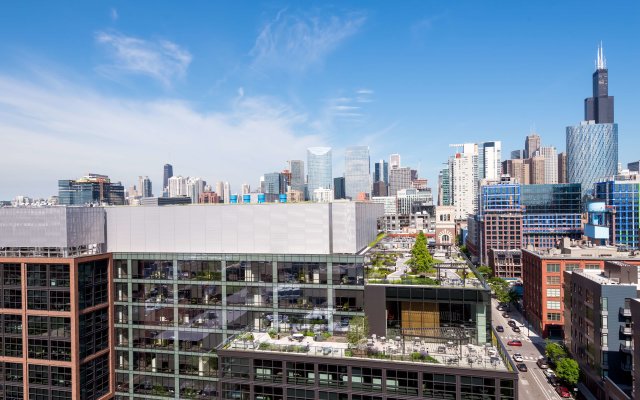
point(532, 384)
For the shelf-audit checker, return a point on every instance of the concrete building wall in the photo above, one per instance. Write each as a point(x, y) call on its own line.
point(51, 226)
point(267, 228)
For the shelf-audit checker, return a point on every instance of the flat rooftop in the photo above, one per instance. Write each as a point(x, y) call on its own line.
point(407, 349)
point(598, 277)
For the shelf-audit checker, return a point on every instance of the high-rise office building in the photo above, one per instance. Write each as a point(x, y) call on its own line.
point(319, 168)
point(394, 161)
point(621, 195)
point(550, 156)
point(339, 188)
point(517, 154)
point(90, 189)
point(167, 173)
point(562, 167)
point(489, 163)
point(592, 146)
point(177, 186)
point(195, 187)
point(531, 144)
point(246, 188)
point(144, 187)
point(464, 180)
point(220, 190)
point(634, 166)
point(399, 178)
point(226, 190)
point(357, 171)
point(274, 183)
point(296, 167)
point(444, 187)
point(381, 172)
point(536, 169)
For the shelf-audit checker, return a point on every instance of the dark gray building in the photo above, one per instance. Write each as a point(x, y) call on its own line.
point(168, 173)
point(634, 166)
point(90, 189)
point(339, 188)
point(381, 172)
point(598, 318)
point(599, 107)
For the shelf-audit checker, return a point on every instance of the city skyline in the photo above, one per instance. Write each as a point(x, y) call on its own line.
point(194, 92)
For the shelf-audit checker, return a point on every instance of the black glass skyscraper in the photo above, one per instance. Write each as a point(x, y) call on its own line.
point(168, 173)
point(599, 108)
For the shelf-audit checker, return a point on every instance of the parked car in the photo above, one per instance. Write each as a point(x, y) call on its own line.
point(500, 308)
point(511, 323)
point(548, 373)
point(522, 367)
point(499, 328)
point(517, 357)
point(563, 391)
point(514, 343)
point(506, 315)
point(542, 364)
point(554, 380)
point(515, 329)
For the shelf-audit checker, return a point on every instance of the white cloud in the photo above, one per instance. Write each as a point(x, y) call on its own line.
point(58, 130)
point(114, 14)
point(162, 60)
point(296, 42)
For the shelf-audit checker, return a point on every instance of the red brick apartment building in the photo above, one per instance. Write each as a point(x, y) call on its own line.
point(542, 274)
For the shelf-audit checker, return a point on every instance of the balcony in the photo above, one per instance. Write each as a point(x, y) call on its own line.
point(625, 311)
point(626, 330)
point(627, 367)
point(626, 348)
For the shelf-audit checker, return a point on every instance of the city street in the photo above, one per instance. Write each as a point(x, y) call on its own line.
point(532, 384)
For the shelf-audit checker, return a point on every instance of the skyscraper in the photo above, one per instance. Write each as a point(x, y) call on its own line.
point(168, 173)
point(517, 154)
point(319, 164)
point(144, 186)
point(296, 167)
point(562, 167)
point(489, 160)
point(592, 146)
point(394, 161)
point(177, 186)
point(195, 187)
point(338, 188)
point(357, 171)
point(274, 183)
point(550, 155)
point(399, 178)
point(90, 189)
point(220, 190)
point(381, 172)
point(464, 187)
point(531, 144)
point(227, 192)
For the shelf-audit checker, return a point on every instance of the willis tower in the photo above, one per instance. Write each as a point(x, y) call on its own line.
point(592, 146)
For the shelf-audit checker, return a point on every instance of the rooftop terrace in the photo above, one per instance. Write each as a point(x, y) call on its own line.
point(402, 349)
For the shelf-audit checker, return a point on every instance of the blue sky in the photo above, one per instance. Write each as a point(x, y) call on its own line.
point(231, 90)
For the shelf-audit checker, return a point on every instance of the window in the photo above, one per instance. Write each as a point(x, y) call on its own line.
point(604, 303)
point(605, 321)
point(553, 292)
point(571, 267)
point(553, 316)
point(592, 266)
point(366, 378)
point(605, 340)
point(553, 267)
point(332, 375)
point(439, 386)
point(402, 382)
point(553, 305)
point(553, 280)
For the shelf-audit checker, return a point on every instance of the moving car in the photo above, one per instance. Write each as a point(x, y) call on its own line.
point(542, 363)
point(499, 328)
point(517, 357)
point(515, 329)
point(514, 343)
point(522, 367)
point(563, 391)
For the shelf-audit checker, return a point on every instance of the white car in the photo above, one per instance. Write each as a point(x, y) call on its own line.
point(517, 357)
point(548, 373)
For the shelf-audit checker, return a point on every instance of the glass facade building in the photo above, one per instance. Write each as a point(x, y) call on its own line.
point(592, 154)
point(624, 198)
point(357, 171)
point(319, 168)
point(94, 189)
point(172, 310)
